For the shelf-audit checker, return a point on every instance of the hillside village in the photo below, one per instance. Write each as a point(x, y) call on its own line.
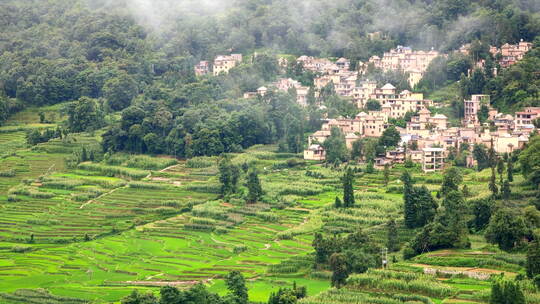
point(428, 137)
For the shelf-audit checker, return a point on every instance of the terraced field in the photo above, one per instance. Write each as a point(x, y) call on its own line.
point(97, 230)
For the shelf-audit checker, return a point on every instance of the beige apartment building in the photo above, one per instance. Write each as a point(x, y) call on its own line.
point(222, 64)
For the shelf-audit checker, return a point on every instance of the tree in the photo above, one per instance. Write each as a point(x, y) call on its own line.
point(533, 259)
point(357, 149)
point(120, 91)
point(510, 169)
point(340, 271)
point(228, 176)
point(505, 190)
point(426, 206)
point(409, 209)
point(493, 183)
point(370, 167)
point(136, 298)
point(478, 81)
point(236, 285)
point(447, 230)
point(337, 203)
point(505, 291)
point(465, 190)
point(530, 161)
point(153, 143)
point(84, 115)
point(481, 156)
point(500, 170)
point(390, 137)
point(386, 174)
point(288, 295)
point(392, 242)
point(254, 187)
point(324, 247)
point(348, 192)
point(506, 229)
point(4, 112)
point(336, 149)
point(418, 204)
point(451, 180)
point(483, 113)
point(481, 209)
point(373, 105)
point(294, 137)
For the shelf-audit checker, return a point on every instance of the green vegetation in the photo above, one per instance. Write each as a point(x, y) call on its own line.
point(127, 178)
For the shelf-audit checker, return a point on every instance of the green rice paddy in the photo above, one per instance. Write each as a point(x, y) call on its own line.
point(96, 231)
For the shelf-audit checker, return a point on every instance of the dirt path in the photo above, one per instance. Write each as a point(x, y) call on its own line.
point(106, 193)
point(169, 167)
point(472, 272)
point(167, 283)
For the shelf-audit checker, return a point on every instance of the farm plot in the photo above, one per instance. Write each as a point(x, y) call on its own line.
point(178, 238)
point(144, 222)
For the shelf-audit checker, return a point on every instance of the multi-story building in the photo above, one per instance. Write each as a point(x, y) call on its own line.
point(423, 124)
point(202, 68)
point(527, 116)
point(343, 64)
point(318, 65)
point(286, 84)
point(404, 58)
point(472, 107)
point(222, 64)
point(315, 152)
point(428, 137)
point(512, 53)
point(395, 104)
point(433, 159)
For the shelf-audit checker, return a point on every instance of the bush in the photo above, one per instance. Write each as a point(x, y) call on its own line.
point(13, 198)
point(21, 249)
point(150, 163)
point(408, 253)
point(285, 235)
point(114, 171)
point(239, 249)
point(200, 162)
point(143, 185)
point(268, 217)
point(7, 173)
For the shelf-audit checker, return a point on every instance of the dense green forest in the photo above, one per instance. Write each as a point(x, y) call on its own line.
point(140, 54)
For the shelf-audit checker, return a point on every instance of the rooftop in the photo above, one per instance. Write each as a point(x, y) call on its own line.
point(388, 86)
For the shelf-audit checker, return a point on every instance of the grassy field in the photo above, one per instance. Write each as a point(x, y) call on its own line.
point(95, 231)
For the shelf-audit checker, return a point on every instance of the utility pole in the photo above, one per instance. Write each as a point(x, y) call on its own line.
point(384, 256)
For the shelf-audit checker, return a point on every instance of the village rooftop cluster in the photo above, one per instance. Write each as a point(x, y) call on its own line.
point(427, 138)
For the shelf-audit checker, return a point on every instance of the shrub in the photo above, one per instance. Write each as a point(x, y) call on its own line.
point(13, 198)
point(7, 173)
point(20, 249)
point(150, 163)
point(143, 185)
point(204, 188)
point(285, 235)
point(239, 249)
point(200, 162)
point(62, 183)
point(114, 171)
point(268, 217)
point(203, 221)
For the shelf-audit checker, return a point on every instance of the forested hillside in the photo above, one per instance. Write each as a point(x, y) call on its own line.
point(141, 54)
